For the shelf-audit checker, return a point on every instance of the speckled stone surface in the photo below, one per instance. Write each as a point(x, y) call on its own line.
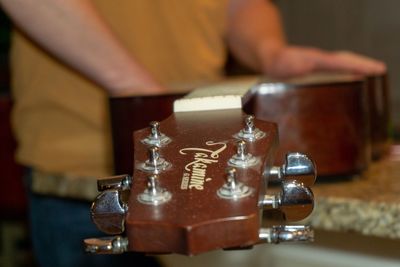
point(368, 204)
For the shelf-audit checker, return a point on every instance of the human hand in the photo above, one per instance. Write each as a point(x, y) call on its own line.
point(295, 61)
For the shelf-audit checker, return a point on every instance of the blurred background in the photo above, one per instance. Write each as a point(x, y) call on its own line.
point(369, 27)
point(365, 26)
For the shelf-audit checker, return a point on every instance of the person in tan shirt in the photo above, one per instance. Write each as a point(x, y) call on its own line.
point(69, 56)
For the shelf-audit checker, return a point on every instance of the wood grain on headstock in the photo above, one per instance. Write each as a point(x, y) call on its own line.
point(196, 220)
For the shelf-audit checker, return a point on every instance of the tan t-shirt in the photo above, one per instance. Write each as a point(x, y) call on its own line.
point(61, 119)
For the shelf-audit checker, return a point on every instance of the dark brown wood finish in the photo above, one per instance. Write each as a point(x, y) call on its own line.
point(333, 122)
point(13, 203)
point(195, 220)
point(327, 121)
point(379, 115)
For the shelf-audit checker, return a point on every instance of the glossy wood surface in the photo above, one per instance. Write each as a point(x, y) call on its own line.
point(341, 125)
point(328, 121)
point(197, 220)
point(379, 115)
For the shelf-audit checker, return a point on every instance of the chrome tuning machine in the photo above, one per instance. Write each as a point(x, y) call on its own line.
point(106, 245)
point(110, 206)
point(286, 233)
point(108, 212)
point(156, 138)
point(297, 167)
point(242, 159)
point(233, 189)
point(250, 133)
point(154, 194)
point(118, 182)
point(155, 163)
point(295, 201)
point(296, 175)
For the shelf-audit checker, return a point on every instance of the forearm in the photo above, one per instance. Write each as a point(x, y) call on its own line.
point(256, 38)
point(254, 31)
point(74, 32)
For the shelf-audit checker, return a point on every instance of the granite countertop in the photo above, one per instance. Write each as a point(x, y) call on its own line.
point(368, 204)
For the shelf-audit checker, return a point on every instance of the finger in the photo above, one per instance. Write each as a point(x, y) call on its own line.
point(351, 62)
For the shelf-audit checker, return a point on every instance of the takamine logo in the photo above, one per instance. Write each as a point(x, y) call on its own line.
point(195, 173)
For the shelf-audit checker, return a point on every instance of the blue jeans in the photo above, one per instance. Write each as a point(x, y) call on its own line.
point(58, 227)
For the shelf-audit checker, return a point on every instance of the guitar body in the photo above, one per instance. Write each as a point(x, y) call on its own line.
point(341, 121)
point(325, 117)
point(379, 115)
point(173, 226)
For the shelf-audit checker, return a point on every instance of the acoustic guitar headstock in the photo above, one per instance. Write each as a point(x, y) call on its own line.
point(200, 184)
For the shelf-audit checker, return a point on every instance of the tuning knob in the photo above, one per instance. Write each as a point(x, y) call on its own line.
point(295, 201)
point(297, 167)
point(119, 182)
point(108, 210)
point(286, 233)
point(106, 245)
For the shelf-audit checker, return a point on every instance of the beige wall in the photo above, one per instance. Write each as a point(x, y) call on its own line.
point(370, 27)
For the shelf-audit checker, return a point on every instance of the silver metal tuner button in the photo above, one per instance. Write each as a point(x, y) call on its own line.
point(155, 163)
point(106, 245)
point(295, 201)
point(286, 233)
point(297, 167)
point(119, 182)
point(156, 138)
point(154, 194)
point(108, 211)
point(233, 189)
point(250, 133)
point(242, 159)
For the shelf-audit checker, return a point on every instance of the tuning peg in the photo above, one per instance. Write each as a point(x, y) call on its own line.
point(286, 233)
point(233, 189)
point(154, 194)
point(119, 182)
point(250, 133)
point(297, 167)
point(295, 201)
point(106, 245)
point(108, 211)
point(156, 138)
point(242, 159)
point(155, 163)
